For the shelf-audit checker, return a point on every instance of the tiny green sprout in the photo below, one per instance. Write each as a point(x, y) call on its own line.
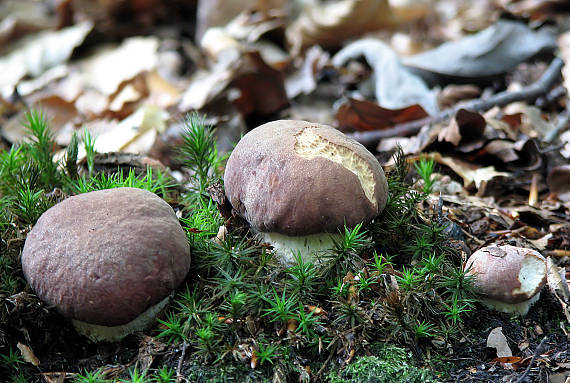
point(341, 289)
point(235, 303)
point(423, 329)
point(345, 255)
point(379, 263)
point(198, 150)
point(281, 308)
point(90, 377)
point(12, 360)
point(303, 277)
point(164, 375)
point(431, 263)
point(29, 204)
point(18, 378)
point(307, 323)
point(266, 353)
point(409, 279)
point(136, 377)
point(421, 246)
point(425, 167)
point(457, 308)
point(365, 284)
point(174, 328)
point(89, 146)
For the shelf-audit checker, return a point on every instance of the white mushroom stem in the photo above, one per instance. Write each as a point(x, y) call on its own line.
point(520, 308)
point(98, 333)
point(286, 248)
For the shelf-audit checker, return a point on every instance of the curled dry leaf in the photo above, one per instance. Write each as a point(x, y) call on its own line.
point(395, 86)
point(488, 53)
point(28, 354)
point(498, 341)
point(367, 115)
point(35, 54)
point(329, 24)
point(110, 66)
point(466, 128)
point(558, 181)
point(470, 173)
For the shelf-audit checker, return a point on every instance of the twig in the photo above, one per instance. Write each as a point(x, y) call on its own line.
point(536, 353)
point(179, 376)
point(528, 93)
point(563, 123)
point(318, 374)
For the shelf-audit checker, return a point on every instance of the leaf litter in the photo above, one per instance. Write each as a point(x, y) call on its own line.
point(502, 170)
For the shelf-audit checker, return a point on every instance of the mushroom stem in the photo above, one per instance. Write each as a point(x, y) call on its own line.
point(520, 307)
point(286, 247)
point(98, 333)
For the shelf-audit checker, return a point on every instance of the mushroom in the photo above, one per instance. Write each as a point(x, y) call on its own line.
point(298, 183)
point(108, 260)
point(509, 278)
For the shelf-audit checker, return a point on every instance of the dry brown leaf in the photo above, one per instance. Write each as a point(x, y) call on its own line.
point(558, 181)
point(470, 173)
point(28, 354)
point(465, 128)
point(329, 24)
point(498, 341)
point(367, 115)
point(395, 86)
point(110, 66)
point(35, 54)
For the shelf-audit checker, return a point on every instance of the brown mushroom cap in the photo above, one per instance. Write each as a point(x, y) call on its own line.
point(300, 178)
point(106, 256)
point(507, 274)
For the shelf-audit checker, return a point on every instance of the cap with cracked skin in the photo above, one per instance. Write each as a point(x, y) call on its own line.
point(106, 256)
point(507, 274)
point(299, 178)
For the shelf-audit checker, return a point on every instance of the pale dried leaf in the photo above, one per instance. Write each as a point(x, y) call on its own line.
point(110, 66)
point(395, 86)
point(470, 173)
point(556, 280)
point(28, 354)
point(135, 133)
point(329, 24)
point(35, 54)
point(498, 341)
point(490, 52)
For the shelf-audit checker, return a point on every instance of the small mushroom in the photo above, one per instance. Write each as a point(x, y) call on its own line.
point(108, 260)
point(298, 183)
point(508, 278)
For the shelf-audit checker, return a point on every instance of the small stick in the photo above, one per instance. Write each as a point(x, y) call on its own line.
point(533, 193)
point(528, 93)
point(536, 353)
point(179, 376)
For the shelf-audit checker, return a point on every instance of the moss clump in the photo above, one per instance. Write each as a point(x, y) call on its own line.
point(390, 364)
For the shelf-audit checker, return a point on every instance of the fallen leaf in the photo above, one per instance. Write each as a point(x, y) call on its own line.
point(329, 24)
point(507, 359)
point(497, 340)
point(471, 174)
point(367, 115)
point(28, 354)
point(261, 88)
point(491, 52)
point(465, 128)
point(106, 69)
point(304, 80)
point(35, 54)
point(395, 86)
point(558, 181)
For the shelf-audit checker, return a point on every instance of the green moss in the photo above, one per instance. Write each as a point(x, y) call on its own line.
point(389, 364)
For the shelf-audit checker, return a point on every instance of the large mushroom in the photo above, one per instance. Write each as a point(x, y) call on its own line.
point(508, 278)
point(108, 259)
point(298, 183)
